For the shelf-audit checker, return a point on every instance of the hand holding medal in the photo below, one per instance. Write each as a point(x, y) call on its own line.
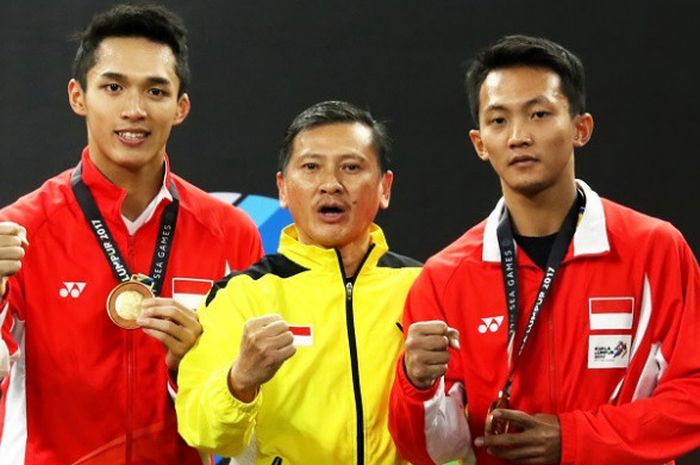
point(124, 303)
point(519, 437)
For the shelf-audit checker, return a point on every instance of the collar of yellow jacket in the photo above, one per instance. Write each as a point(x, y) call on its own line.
point(315, 257)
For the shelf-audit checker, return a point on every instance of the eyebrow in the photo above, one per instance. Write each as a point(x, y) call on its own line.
point(533, 101)
point(121, 78)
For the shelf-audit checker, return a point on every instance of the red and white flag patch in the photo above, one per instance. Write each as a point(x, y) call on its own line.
point(191, 291)
point(611, 312)
point(303, 336)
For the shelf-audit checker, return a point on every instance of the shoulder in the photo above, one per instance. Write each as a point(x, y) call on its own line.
point(466, 249)
point(213, 214)
point(633, 227)
point(393, 260)
point(276, 265)
point(37, 207)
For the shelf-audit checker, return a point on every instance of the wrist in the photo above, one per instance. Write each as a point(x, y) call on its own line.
point(418, 384)
point(3, 286)
point(244, 392)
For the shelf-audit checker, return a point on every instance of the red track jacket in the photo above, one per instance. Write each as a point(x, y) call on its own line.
point(614, 352)
point(82, 390)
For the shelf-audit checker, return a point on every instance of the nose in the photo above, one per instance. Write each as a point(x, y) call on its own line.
point(133, 107)
point(520, 135)
point(330, 183)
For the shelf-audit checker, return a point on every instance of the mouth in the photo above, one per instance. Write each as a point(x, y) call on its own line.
point(522, 160)
point(331, 212)
point(132, 136)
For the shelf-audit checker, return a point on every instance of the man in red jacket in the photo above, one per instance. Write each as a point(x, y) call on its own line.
point(564, 327)
point(101, 267)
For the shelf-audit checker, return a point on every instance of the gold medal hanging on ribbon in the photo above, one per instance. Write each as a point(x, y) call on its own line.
point(124, 302)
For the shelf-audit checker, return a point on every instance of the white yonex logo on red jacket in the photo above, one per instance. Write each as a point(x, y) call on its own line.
point(73, 289)
point(490, 324)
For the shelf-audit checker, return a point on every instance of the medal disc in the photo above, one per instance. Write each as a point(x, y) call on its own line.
point(124, 303)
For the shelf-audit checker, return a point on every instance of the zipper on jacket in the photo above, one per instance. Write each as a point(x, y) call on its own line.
point(349, 284)
point(130, 377)
point(277, 461)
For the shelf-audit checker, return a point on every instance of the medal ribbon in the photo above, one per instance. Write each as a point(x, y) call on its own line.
point(509, 269)
point(161, 254)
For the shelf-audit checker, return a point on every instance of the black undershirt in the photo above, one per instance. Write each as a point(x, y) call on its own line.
point(538, 248)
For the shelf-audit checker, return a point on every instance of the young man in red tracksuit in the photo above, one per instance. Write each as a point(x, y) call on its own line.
point(101, 266)
point(564, 327)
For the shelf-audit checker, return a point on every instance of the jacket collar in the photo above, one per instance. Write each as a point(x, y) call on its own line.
point(590, 238)
point(110, 197)
point(315, 257)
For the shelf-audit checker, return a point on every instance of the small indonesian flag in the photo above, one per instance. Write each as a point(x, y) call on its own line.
point(190, 291)
point(611, 312)
point(303, 336)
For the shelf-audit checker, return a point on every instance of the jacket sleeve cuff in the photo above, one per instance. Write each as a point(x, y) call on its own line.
point(408, 389)
point(4, 299)
point(567, 428)
point(232, 407)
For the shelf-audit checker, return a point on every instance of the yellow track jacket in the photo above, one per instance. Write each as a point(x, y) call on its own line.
point(328, 403)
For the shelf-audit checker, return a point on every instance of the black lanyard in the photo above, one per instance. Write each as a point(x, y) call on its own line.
point(509, 269)
point(161, 254)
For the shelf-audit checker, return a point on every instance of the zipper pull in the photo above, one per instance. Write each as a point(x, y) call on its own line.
point(348, 290)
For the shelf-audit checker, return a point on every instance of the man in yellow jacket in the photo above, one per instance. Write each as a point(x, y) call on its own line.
point(297, 353)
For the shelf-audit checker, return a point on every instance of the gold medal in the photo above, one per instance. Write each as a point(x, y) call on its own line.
point(124, 302)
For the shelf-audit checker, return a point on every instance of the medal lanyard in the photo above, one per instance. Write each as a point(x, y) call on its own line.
point(506, 244)
point(161, 254)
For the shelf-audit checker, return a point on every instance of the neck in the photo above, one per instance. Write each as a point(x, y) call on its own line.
point(352, 255)
point(541, 214)
point(140, 193)
point(141, 185)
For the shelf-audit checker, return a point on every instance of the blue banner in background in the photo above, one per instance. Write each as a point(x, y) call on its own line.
point(266, 212)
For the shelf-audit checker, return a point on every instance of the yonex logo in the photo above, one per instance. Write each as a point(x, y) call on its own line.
point(490, 324)
point(72, 289)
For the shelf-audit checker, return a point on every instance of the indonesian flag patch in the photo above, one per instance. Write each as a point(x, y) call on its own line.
point(191, 291)
point(303, 336)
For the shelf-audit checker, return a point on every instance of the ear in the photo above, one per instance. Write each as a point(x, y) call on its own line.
point(583, 125)
point(281, 189)
point(183, 109)
point(385, 189)
point(76, 97)
point(478, 143)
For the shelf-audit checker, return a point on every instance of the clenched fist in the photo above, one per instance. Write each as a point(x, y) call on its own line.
point(426, 351)
point(13, 240)
point(266, 344)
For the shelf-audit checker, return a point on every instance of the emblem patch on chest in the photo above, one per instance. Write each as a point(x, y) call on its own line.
point(191, 291)
point(609, 351)
point(303, 336)
point(610, 312)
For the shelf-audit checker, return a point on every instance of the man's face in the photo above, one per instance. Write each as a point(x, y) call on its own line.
point(526, 131)
point(130, 104)
point(333, 185)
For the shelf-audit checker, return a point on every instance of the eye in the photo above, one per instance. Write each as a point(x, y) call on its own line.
point(351, 167)
point(540, 114)
point(310, 166)
point(156, 92)
point(497, 121)
point(112, 87)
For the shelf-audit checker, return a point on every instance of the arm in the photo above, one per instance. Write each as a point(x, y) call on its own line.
point(219, 379)
point(426, 410)
point(657, 415)
point(13, 240)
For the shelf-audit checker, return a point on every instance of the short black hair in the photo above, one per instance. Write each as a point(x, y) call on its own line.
point(332, 112)
point(538, 52)
point(153, 22)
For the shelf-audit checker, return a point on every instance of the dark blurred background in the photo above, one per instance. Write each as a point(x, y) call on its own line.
point(257, 64)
